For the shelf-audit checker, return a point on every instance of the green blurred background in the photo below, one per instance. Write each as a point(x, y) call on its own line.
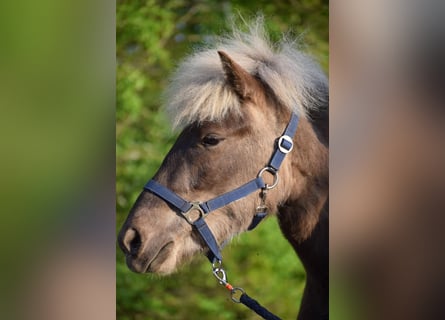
point(152, 37)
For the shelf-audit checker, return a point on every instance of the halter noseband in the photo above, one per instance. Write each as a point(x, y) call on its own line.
point(284, 146)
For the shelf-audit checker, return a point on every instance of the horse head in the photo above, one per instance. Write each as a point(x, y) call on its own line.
point(232, 104)
point(209, 158)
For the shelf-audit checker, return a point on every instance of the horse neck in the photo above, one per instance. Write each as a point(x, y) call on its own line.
point(304, 219)
point(307, 183)
point(314, 254)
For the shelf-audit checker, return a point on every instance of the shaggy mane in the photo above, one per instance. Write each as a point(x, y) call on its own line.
point(198, 91)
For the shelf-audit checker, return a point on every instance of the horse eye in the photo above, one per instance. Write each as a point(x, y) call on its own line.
point(210, 140)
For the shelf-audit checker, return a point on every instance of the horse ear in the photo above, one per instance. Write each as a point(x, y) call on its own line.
point(239, 79)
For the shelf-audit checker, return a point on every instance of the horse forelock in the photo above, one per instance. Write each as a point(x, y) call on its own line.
point(198, 91)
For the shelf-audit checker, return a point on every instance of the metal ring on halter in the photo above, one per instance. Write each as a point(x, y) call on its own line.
point(273, 172)
point(234, 291)
point(195, 206)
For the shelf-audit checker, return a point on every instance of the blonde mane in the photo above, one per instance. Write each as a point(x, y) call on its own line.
point(198, 91)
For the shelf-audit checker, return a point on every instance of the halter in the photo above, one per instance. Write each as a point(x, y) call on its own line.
point(284, 145)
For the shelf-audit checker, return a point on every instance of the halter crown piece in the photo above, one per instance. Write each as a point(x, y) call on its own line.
point(284, 146)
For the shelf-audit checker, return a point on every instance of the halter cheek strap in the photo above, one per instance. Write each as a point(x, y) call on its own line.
point(284, 146)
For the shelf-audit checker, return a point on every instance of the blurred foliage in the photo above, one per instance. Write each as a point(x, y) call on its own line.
point(152, 36)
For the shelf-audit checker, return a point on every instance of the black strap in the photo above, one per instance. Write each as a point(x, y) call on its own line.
point(257, 308)
point(257, 218)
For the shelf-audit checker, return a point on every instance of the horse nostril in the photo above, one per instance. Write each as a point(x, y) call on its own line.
point(132, 241)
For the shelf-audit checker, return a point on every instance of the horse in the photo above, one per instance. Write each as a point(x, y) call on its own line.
point(232, 102)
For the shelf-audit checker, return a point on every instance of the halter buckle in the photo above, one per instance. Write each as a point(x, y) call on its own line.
point(195, 206)
point(283, 147)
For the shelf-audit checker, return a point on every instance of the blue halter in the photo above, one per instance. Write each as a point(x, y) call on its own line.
point(284, 146)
